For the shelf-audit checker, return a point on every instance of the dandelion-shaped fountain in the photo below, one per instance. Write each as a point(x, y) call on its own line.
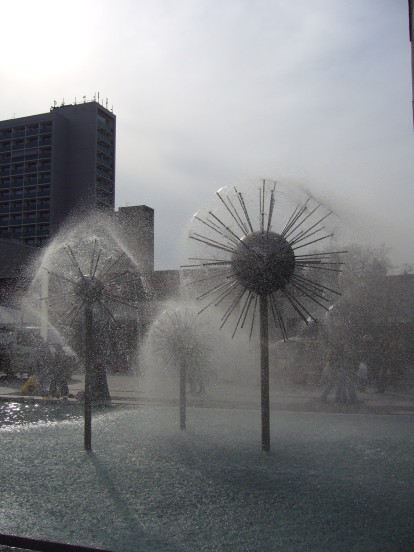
point(281, 274)
point(180, 338)
point(89, 277)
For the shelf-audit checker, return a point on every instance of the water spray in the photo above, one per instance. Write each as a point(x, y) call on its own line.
point(256, 272)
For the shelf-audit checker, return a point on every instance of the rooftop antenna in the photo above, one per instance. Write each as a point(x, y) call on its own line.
point(54, 103)
point(84, 99)
point(75, 100)
point(98, 97)
point(106, 103)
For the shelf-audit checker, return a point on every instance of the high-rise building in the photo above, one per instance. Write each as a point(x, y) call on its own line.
point(53, 164)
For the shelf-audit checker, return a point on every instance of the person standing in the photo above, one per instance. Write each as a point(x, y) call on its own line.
point(328, 377)
point(362, 376)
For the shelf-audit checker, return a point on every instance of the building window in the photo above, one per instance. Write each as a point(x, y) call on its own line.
point(45, 127)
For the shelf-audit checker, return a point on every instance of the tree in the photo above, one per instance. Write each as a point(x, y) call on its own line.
point(364, 322)
point(363, 282)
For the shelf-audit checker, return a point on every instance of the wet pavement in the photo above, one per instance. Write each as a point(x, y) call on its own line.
point(338, 477)
point(330, 482)
point(130, 389)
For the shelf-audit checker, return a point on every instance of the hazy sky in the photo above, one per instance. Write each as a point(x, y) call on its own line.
point(210, 93)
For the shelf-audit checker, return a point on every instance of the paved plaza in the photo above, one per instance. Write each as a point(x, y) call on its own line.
point(331, 481)
point(338, 477)
point(129, 389)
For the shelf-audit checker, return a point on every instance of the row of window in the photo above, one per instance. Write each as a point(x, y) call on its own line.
point(38, 242)
point(104, 120)
point(25, 130)
point(104, 166)
point(21, 144)
point(23, 218)
point(104, 198)
point(105, 135)
point(105, 147)
point(30, 230)
point(105, 194)
point(104, 159)
point(27, 205)
point(40, 165)
point(103, 185)
point(25, 155)
point(10, 187)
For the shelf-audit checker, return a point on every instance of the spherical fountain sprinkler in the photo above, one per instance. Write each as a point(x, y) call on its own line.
point(253, 266)
point(263, 263)
point(181, 340)
point(92, 283)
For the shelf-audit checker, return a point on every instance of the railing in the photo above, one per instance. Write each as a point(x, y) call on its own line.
point(46, 129)
point(29, 208)
point(105, 135)
point(17, 159)
point(18, 147)
point(39, 218)
point(105, 126)
point(104, 186)
point(26, 543)
point(104, 174)
point(104, 148)
point(104, 162)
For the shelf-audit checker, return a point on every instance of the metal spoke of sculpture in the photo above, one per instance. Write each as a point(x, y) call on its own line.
point(179, 337)
point(252, 271)
point(89, 283)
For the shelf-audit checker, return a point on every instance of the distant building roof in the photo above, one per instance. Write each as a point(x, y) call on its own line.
point(163, 284)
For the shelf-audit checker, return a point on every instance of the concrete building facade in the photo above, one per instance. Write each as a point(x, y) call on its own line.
point(53, 164)
point(137, 229)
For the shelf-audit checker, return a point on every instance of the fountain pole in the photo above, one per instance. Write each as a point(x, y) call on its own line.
point(44, 306)
point(264, 371)
point(89, 355)
point(256, 264)
point(183, 395)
